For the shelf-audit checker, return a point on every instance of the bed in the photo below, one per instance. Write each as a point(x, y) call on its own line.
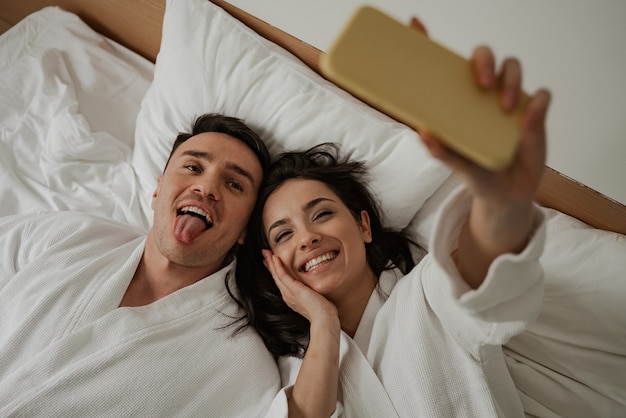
point(92, 93)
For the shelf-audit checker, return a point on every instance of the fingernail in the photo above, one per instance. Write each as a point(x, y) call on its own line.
point(486, 78)
point(510, 99)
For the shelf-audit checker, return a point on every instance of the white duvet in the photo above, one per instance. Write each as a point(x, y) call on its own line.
point(67, 119)
point(69, 100)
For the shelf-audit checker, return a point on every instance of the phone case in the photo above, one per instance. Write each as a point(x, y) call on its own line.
point(422, 84)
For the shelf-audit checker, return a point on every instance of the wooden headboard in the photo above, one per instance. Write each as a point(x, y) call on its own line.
point(136, 24)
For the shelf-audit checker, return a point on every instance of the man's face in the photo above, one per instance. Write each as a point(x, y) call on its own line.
point(203, 200)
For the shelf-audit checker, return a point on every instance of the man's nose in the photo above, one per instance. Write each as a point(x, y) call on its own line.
point(208, 186)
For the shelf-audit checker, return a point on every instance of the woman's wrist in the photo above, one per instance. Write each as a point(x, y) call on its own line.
point(493, 228)
point(501, 227)
point(328, 325)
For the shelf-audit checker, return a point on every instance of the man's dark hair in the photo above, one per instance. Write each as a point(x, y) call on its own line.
point(215, 122)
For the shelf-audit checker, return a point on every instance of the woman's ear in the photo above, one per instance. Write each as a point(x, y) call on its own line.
point(366, 230)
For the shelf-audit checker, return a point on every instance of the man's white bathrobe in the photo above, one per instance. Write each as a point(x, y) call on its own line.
point(433, 347)
point(67, 349)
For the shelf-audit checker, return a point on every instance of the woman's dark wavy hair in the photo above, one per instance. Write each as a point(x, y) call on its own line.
point(284, 331)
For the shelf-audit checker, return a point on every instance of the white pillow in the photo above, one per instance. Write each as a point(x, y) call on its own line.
point(211, 62)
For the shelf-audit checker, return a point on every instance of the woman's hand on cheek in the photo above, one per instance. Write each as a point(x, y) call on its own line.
point(297, 295)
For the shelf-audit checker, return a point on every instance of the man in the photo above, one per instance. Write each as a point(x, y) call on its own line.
point(97, 319)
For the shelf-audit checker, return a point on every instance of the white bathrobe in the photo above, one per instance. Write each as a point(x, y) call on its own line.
point(433, 347)
point(67, 349)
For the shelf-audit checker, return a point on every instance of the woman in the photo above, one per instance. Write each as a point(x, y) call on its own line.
point(376, 335)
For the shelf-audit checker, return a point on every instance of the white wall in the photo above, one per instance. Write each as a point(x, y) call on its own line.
point(573, 47)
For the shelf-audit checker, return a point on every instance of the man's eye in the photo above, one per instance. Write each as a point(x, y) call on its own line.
point(236, 185)
point(192, 167)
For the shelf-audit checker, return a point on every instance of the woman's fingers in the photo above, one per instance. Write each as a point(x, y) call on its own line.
point(534, 119)
point(484, 67)
point(270, 261)
point(275, 267)
point(510, 83)
point(280, 276)
point(417, 24)
point(437, 149)
point(532, 151)
point(296, 294)
point(509, 78)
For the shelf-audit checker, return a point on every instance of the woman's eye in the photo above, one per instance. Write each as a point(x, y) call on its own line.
point(321, 214)
point(280, 236)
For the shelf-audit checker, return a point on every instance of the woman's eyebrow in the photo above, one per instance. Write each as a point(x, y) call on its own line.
point(311, 204)
point(276, 225)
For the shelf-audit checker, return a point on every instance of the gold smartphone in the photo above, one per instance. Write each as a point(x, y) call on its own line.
point(424, 85)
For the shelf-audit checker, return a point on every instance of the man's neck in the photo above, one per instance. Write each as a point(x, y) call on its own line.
point(157, 277)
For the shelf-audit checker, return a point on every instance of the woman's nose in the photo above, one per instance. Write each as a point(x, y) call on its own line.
point(310, 239)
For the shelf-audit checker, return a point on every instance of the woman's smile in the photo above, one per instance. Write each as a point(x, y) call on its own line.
point(317, 262)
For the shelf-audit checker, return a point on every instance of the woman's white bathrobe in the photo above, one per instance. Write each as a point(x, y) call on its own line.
point(433, 347)
point(67, 349)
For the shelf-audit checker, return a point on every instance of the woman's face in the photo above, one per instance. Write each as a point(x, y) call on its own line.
point(317, 238)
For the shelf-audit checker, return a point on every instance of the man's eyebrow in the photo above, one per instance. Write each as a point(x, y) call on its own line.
point(307, 206)
point(238, 169)
point(232, 166)
point(199, 154)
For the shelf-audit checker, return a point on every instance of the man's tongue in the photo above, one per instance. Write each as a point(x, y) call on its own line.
point(187, 228)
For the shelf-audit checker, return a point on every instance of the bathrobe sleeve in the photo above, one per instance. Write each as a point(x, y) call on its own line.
point(505, 303)
point(26, 237)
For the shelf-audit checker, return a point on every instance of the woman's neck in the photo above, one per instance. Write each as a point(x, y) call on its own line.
point(351, 306)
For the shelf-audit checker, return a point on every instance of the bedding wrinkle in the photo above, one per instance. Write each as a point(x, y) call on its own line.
point(566, 395)
point(573, 358)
